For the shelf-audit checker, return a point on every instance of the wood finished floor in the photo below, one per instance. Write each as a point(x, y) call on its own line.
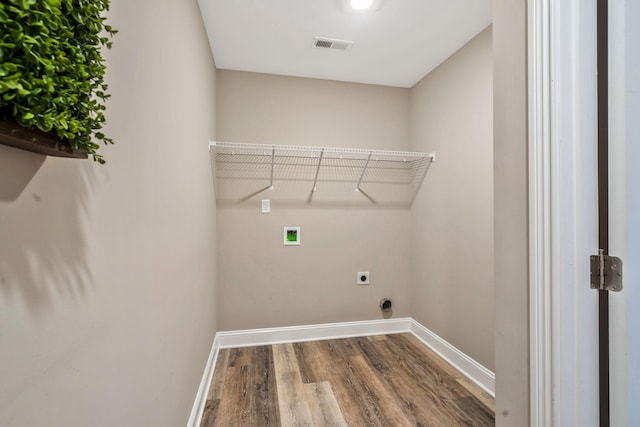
point(386, 380)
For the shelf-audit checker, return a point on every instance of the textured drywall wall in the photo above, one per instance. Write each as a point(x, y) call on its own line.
point(510, 207)
point(452, 275)
point(263, 283)
point(107, 273)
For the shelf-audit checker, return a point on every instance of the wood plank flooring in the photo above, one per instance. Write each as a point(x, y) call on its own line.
point(386, 380)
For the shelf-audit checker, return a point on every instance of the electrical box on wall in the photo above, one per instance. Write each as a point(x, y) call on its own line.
point(266, 206)
point(291, 236)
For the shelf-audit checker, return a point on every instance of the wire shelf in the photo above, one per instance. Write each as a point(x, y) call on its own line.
point(274, 163)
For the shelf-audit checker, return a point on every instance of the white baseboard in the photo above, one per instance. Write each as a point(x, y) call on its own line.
point(205, 383)
point(269, 336)
point(327, 331)
point(469, 367)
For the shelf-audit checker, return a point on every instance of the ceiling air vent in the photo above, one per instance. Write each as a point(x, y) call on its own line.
point(324, 43)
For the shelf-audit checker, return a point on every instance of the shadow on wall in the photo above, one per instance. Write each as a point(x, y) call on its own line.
point(378, 188)
point(16, 170)
point(42, 228)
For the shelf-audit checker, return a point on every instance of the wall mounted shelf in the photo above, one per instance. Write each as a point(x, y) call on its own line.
point(316, 164)
point(36, 141)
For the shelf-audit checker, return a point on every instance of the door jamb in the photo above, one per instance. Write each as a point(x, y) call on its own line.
point(562, 195)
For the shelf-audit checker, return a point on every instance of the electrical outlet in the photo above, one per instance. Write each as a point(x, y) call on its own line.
point(363, 278)
point(266, 206)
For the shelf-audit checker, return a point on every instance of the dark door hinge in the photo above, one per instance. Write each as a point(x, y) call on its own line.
point(606, 272)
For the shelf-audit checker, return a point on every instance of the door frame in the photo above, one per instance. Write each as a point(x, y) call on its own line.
point(562, 146)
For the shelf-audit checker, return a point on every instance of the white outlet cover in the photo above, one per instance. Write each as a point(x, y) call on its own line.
point(266, 206)
point(361, 275)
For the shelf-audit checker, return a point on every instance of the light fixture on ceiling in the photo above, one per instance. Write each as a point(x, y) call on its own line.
point(361, 4)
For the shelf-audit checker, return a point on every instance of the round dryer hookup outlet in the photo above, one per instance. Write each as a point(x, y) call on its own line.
point(363, 278)
point(385, 304)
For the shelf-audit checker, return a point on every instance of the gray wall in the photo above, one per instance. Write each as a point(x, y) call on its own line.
point(107, 273)
point(510, 207)
point(261, 282)
point(452, 281)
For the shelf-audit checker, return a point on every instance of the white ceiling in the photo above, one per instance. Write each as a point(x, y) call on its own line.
point(396, 43)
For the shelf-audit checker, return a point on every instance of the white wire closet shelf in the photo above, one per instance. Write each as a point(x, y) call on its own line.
point(317, 164)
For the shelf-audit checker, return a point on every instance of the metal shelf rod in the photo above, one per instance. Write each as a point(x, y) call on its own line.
point(283, 156)
point(313, 152)
point(273, 161)
point(315, 180)
point(363, 171)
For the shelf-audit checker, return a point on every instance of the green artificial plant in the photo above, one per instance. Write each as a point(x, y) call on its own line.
point(52, 69)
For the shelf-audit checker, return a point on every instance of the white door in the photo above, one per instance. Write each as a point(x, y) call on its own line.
point(563, 196)
point(624, 208)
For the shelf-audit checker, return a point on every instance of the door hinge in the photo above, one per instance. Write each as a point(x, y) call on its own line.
point(606, 272)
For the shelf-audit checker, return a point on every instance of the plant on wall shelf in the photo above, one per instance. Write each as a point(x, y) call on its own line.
point(52, 69)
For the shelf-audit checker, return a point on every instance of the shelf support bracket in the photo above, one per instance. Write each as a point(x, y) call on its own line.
point(363, 172)
point(273, 161)
point(315, 180)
